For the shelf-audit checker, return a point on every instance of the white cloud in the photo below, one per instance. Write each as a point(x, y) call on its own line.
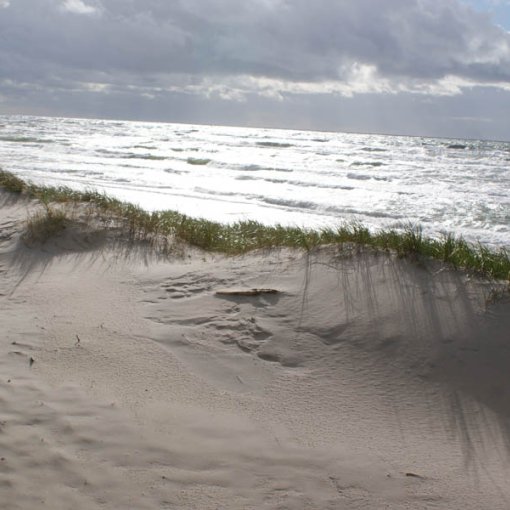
point(78, 7)
point(96, 87)
point(362, 80)
point(4, 3)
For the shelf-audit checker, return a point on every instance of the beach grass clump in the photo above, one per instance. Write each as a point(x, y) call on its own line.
point(162, 228)
point(10, 182)
point(45, 224)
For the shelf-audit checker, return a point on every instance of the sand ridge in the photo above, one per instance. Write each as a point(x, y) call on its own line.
point(365, 381)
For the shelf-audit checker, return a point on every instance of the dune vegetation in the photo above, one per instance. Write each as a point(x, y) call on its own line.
point(161, 228)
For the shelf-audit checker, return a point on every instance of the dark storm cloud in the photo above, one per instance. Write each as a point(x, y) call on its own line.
point(281, 39)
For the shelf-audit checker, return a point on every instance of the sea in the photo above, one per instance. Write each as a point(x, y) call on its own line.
point(275, 176)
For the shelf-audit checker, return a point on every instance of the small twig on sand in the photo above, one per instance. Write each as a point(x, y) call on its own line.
point(413, 475)
point(245, 292)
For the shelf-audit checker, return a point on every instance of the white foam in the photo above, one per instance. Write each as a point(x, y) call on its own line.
point(336, 177)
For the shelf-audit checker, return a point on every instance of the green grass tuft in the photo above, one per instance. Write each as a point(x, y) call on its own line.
point(45, 224)
point(10, 182)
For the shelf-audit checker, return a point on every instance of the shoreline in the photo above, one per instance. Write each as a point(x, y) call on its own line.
point(134, 380)
point(371, 180)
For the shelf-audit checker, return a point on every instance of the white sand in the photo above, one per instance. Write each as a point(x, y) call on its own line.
point(367, 382)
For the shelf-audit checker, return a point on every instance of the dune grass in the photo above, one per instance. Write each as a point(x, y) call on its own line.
point(161, 228)
point(45, 224)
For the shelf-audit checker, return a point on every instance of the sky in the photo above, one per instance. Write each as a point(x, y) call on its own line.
point(417, 67)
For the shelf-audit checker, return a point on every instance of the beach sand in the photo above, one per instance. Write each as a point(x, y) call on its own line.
point(132, 381)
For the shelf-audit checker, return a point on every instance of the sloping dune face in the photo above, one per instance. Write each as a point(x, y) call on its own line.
point(336, 379)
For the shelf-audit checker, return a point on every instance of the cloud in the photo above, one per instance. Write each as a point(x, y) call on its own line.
point(233, 51)
point(411, 42)
point(78, 7)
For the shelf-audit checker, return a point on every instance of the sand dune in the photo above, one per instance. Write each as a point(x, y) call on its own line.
point(128, 381)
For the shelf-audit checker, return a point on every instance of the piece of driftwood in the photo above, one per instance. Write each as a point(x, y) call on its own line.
point(245, 292)
point(413, 475)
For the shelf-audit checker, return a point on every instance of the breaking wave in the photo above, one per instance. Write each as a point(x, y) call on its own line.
point(276, 145)
point(297, 177)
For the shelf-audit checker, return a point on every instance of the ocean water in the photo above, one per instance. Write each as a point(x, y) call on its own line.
point(302, 178)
